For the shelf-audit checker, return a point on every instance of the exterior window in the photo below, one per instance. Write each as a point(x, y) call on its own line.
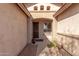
point(48, 7)
point(42, 7)
point(35, 8)
point(47, 27)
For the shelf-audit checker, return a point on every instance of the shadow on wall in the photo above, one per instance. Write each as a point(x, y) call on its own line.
point(70, 43)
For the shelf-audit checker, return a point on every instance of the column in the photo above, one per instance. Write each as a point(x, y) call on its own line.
point(54, 28)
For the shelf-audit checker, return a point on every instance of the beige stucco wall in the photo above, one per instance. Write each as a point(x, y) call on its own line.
point(13, 29)
point(69, 43)
point(37, 14)
point(69, 24)
point(53, 7)
point(29, 30)
point(69, 20)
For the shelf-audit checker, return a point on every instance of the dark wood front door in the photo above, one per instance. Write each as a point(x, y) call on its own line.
point(35, 29)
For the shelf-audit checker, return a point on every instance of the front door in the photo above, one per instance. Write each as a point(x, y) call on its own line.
point(35, 29)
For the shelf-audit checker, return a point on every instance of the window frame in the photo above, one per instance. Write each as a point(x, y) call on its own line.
point(48, 7)
point(41, 7)
point(35, 8)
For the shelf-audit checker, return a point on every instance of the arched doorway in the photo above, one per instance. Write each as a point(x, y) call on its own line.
point(40, 26)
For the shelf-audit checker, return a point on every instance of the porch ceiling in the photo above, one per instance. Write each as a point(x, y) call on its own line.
point(42, 20)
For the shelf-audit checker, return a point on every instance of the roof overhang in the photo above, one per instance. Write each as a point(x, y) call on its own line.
point(62, 9)
point(24, 9)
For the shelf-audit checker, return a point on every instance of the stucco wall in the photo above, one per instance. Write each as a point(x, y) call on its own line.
point(69, 20)
point(53, 7)
point(29, 30)
point(13, 29)
point(38, 14)
point(68, 26)
point(70, 43)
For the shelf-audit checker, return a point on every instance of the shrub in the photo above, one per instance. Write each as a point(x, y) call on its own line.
point(52, 44)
